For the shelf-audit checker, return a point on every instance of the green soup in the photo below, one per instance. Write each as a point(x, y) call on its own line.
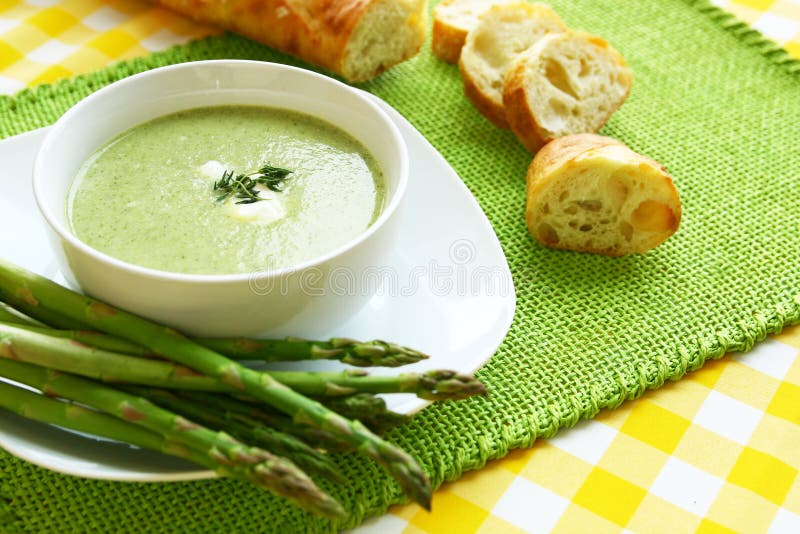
point(148, 196)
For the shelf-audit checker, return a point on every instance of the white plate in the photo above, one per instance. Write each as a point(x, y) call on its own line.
point(446, 290)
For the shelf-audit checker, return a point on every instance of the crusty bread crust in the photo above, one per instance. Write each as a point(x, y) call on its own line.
point(530, 98)
point(501, 33)
point(486, 106)
point(448, 37)
point(591, 193)
point(452, 20)
point(317, 31)
point(447, 41)
point(519, 116)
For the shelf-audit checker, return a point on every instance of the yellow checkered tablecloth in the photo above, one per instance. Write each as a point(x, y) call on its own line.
point(718, 451)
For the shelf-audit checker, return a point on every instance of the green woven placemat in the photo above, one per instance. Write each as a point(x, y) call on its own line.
point(712, 100)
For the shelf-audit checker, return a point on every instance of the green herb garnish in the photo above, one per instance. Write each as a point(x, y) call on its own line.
point(243, 186)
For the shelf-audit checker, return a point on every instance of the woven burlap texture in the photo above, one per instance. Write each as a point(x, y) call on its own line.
point(712, 100)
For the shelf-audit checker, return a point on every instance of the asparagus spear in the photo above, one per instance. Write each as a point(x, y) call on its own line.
point(73, 357)
point(365, 407)
point(254, 415)
point(10, 315)
point(89, 338)
point(66, 355)
point(257, 434)
point(368, 409)
point(38, 316)
point(69, 415)
point(350, 351)
point(431, 385)
point(375, 353)
point(253, 464)
point(29, 292)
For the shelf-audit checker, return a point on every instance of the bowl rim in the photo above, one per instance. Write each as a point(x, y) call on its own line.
point(148, 272)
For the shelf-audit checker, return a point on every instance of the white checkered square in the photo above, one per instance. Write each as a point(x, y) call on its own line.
point(777, 28)
point(51, 52)
point(7, 24)
point(785, 522)
point(530, 506)
point(728, 417)
point(771, 357)
point(588, 440)
point(686, 486)
point(42, 3)
point(104, 19)
point(10, 86)
point(162, 40)
point(385, 524)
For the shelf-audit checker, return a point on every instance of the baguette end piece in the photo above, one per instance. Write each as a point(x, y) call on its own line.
point(590, 193)
point(370, 52)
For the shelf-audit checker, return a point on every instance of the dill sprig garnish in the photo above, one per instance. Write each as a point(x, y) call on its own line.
point(243, 186)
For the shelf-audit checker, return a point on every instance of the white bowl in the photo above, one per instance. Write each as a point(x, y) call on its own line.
point(221, 305)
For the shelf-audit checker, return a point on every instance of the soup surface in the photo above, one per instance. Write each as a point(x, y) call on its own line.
point(148, 197)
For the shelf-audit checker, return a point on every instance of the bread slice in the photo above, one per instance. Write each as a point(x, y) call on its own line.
point(502, 32)
point(591, 193)
point(388, 32)
point(566, 83)
point(452, 20)
point(357, 39)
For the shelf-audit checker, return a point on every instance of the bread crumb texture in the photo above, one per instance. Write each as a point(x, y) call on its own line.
point(566, 83)
point(389, 31)
point(591, 193)
point(452, 20)
point(501, 34)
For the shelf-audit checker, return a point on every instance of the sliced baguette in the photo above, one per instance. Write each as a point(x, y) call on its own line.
point(591, 193)
point(452, 20)
point(387, 33)
point(566, 83)
point(501, 33)
point(358, 39)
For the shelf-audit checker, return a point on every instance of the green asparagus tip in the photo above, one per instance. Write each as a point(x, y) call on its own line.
point(376, 353)
point(449, 385)
point(282, 475)
point(416, 484)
